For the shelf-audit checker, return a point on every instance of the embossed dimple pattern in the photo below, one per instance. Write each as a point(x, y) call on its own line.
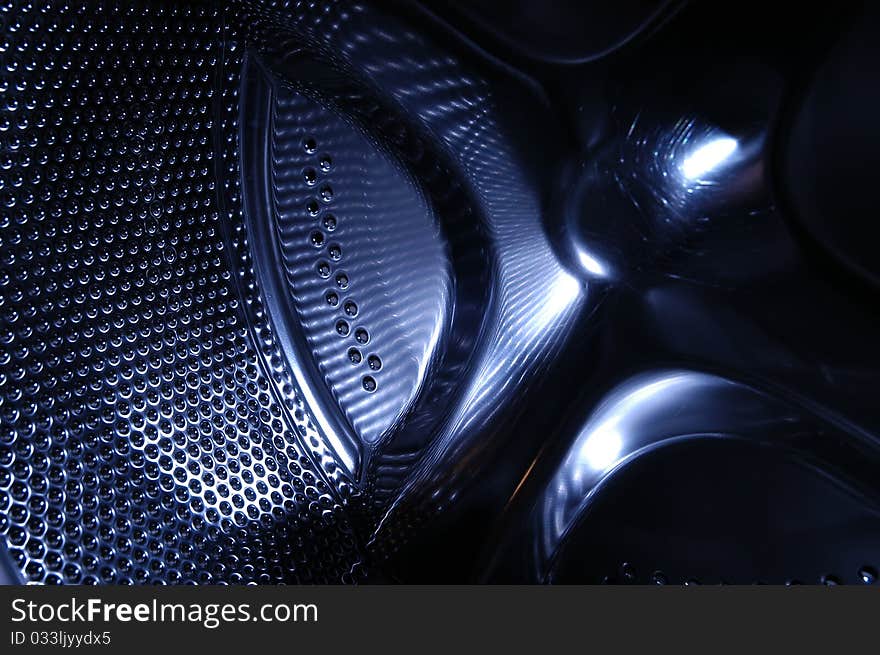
point(143, 438)
point(363, 255)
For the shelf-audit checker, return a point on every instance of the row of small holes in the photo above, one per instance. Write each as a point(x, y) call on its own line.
point(867, 574)
point(324, 269)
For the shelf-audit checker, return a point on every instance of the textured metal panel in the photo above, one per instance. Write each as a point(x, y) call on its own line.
point(365, 259)
point(142, 439)
point(298, 291)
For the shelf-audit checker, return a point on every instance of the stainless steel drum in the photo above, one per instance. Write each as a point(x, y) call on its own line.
point(337, 292)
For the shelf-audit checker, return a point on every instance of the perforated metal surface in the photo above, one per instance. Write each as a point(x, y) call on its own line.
point(142, 438)
point(297, 291)
point(163, 405)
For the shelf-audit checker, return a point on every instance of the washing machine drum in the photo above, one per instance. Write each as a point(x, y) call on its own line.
point(324, 292)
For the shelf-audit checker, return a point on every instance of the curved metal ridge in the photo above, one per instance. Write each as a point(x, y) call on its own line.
point(327, 292)
point(653, 411)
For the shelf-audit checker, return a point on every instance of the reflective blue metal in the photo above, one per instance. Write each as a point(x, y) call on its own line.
point(359, 291)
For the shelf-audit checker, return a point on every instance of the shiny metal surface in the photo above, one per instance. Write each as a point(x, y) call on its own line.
point(494, 300)
point(655, 411)
point(342, 291)
point(368, 274)
point(142, 440)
